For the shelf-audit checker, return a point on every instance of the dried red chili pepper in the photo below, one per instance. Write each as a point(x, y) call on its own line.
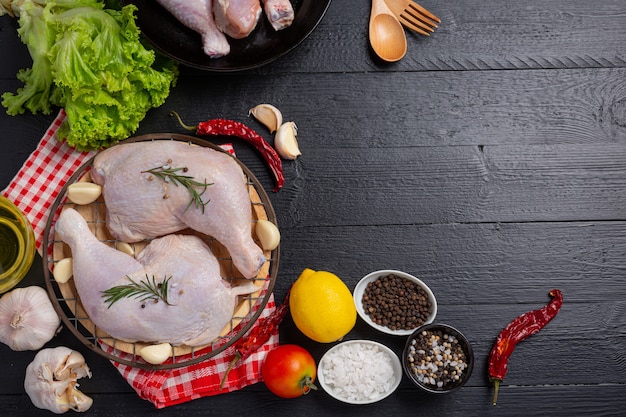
point(516, 331)
point(258, 336)
point(226, 127)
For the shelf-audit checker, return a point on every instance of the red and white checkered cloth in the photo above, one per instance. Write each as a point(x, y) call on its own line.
point(169, 387)
point(33, 190)
point(38, 183)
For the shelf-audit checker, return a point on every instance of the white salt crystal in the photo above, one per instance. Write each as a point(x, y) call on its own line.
point(358, 372)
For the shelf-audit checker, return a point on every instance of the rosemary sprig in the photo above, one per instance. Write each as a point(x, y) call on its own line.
point(144, 290)
point(169, 174)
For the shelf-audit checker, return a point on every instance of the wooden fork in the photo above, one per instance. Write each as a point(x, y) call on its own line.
point(413, 16)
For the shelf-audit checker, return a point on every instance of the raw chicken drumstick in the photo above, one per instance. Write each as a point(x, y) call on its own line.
point(237, 18)
point(279, 13)
point(197, 15)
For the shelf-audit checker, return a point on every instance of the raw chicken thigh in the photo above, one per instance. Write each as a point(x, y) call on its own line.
point(199, 302)
point(197, 15)
point(140, 205)
point(237, 18)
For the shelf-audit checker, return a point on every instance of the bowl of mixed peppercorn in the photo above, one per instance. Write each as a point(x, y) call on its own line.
point(394, 302)
point(438, 358)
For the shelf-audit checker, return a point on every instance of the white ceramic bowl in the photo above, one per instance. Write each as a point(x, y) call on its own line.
point(332, 379)
point(360, 289)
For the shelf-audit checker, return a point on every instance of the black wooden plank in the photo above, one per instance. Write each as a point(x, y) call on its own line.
point(566, 401)
point(454, 185)
point(494, 264)
point(404, 109)
point(23, 133)
point(466, 108)
point(14, 55)
point(536, 34)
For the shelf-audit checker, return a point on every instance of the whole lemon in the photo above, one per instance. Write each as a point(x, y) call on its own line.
point(322, 306)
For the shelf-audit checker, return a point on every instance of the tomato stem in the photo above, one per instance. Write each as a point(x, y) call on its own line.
point(307, 385)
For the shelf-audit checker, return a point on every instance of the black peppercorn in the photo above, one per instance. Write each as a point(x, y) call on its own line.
point(396, 302)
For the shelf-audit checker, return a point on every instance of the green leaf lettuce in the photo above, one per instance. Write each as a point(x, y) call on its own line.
point(90, 61)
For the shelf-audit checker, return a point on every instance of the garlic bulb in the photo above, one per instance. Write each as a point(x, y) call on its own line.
point(27, 319)
point(51, 380)
point(285, 141)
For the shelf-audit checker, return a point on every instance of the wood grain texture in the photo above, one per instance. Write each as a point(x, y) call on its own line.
point(411, 109)
point(494, 264)
point(490, 162)
point(555, 401)
point(455, 185)
point(20, 136)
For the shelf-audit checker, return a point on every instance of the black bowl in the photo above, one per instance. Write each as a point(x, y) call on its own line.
point(426, 370)
point(264, 45)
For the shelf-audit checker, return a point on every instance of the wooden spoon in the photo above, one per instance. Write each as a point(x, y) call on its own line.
point(386, 34)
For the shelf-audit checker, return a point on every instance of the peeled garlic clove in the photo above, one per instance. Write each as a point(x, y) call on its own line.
point(86, 177)
point(268, 234)
point(51, 380)
point(156, 354)
point(285, 141)
point(268, 115)
point(83, 192)
point(27, 318)
point(63, 270)
point(125, 247)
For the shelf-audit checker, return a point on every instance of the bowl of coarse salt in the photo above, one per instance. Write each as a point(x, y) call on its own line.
point(438, 358)
point(359, 372)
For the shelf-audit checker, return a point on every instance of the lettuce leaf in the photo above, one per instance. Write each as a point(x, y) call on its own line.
point(89, 60)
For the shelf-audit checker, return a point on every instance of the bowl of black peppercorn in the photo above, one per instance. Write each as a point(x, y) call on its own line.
point(438, 358)
point(394, 302)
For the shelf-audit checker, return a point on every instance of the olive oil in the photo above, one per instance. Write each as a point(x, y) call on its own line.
point(10, 242)
point(17, 245)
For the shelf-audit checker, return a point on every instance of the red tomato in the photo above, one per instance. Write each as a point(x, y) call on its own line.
point(289, 371)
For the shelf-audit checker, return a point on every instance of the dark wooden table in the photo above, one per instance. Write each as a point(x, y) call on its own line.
point(490, 162)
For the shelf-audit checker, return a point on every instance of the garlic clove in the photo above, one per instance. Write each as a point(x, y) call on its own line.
point(156, 354)
point(73, 366)
point(51, 380)
point(83, 192)
point(27, 318)
point(285, 141)
point(86, 177)
point(125, 247)
point(268, 115)
point(80, 401)
point(268, 234)
point(63, 270)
